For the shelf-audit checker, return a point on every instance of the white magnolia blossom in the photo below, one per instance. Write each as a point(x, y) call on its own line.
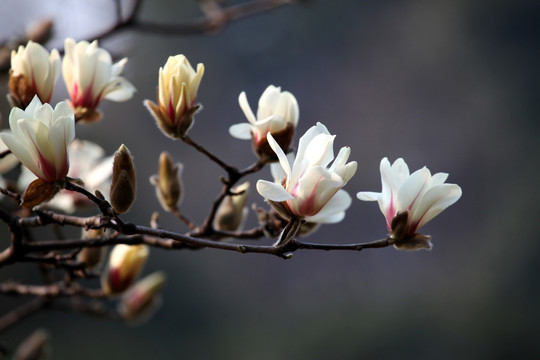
point(422, 195)
point(90, 75)
point(309, 188)
point(88, 164)
point(277, 110)
point(40, 68)
point(40, 136)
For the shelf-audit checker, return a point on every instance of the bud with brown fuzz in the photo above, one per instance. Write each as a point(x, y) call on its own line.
point(232, 211)
point(124, 181)
point(168, 182)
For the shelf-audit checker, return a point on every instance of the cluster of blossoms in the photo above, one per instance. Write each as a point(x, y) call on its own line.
point(307, 186)
point(306, 191)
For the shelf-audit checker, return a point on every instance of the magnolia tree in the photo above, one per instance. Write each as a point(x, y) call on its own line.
point(60, 174)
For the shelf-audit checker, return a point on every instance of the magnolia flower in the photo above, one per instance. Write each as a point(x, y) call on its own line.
point(90, 75)
point(277, 114)
point(33, 72)
point(40, 137)
point(88, 164)
point(177, 93)
point(310, 189)
point(408, 202)
point(125, 264)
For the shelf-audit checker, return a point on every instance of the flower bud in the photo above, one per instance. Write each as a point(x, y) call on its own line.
point(140, 301)
point(177, 93)
point(125, 264)
point(91, 256)
point(33, 72)
point(232, 211)
point(168, 182)
point(124, 181)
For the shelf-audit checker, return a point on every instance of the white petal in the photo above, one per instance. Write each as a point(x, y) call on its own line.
point(368, 196)
point(21, 151)
point(119, 90)
point(277, 170)
point(435, 200)
point(272, 191)
point(334, 210)
point(438, 178)
point(280, 154)
point(241, 131)
point(244, 105)
point(411, 190)
point(320, 150)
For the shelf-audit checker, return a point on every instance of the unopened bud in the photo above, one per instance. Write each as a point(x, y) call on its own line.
point(35, 347)
point(232, 211)
point(125, 264)
point(168, 182)
point(141, 301)
point(91, 256)
point(124, 181)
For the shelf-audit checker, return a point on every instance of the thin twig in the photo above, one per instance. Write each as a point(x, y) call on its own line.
point(16, 315)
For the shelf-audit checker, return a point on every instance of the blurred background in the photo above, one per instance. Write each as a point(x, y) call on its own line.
point(452, 85)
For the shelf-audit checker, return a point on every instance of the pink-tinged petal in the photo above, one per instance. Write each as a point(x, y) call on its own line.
point(434, 201)
point(60, 135)
point(314, 190)
point(272, 191)
point(280, 154)
point(241, 131)
point(388, 199)
point(334, 210)
point(244, 105)
point(412, 189)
